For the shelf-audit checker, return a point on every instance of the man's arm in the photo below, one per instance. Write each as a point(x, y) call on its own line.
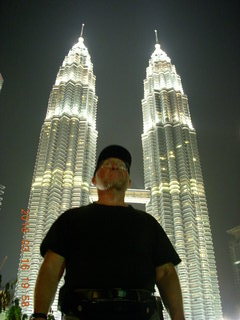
point(48, 278)
point(170, 290)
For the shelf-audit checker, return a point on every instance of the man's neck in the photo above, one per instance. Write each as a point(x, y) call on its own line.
point(111, 198)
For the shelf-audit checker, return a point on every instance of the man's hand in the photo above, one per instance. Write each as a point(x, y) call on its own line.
point(49, 276)
point(170, 290)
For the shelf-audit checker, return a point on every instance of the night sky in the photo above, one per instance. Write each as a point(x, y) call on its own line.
point(202, 40)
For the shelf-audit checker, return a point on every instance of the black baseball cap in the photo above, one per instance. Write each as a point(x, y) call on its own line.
point(114, 151)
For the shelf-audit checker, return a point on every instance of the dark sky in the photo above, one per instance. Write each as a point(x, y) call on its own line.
point(201, 38)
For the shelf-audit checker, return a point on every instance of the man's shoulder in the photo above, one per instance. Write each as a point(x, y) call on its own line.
point(75, 212)
point(144, 215)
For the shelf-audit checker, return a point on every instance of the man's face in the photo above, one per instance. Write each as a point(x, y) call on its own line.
point(112, 174)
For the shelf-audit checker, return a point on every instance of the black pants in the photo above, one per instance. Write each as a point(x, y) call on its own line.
point(112, 317)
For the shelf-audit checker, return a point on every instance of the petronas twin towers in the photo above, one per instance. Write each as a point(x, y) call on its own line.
point(66, 159)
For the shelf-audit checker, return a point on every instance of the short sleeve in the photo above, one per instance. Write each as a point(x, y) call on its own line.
point(163, 251)
point(55, 238)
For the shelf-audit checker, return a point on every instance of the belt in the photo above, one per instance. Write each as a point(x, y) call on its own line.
point(139, 295)
point(107, 303)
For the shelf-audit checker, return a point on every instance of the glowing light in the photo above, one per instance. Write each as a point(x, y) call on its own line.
point(159, 54)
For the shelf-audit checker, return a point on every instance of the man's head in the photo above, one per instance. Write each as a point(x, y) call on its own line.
point(114, 151)
point(113, 167)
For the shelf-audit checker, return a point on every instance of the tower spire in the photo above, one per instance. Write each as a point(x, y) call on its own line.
point(82, 30)
point(156, 36)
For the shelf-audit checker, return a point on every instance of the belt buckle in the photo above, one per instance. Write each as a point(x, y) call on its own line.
point(121, 293)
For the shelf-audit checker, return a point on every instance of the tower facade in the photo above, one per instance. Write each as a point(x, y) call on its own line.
point(234, 248)
point(64, 164)
point(172, 173)
point(1, 82)
point(2, 190)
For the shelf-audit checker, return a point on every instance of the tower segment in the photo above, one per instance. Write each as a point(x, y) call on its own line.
point(172, 173)
point(64, 163)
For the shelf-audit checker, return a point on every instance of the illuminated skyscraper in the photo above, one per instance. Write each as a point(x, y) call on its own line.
point(2, 190)
point(64, 164)
point(1, 82)
point(234, 247)
point(172, 173)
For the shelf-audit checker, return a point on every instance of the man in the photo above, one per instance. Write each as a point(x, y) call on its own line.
point(113, 255)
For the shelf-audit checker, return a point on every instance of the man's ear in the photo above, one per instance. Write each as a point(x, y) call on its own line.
point(129, 183)
point(94, 180)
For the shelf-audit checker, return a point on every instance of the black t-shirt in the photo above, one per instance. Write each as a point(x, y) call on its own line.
point(109, 247)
